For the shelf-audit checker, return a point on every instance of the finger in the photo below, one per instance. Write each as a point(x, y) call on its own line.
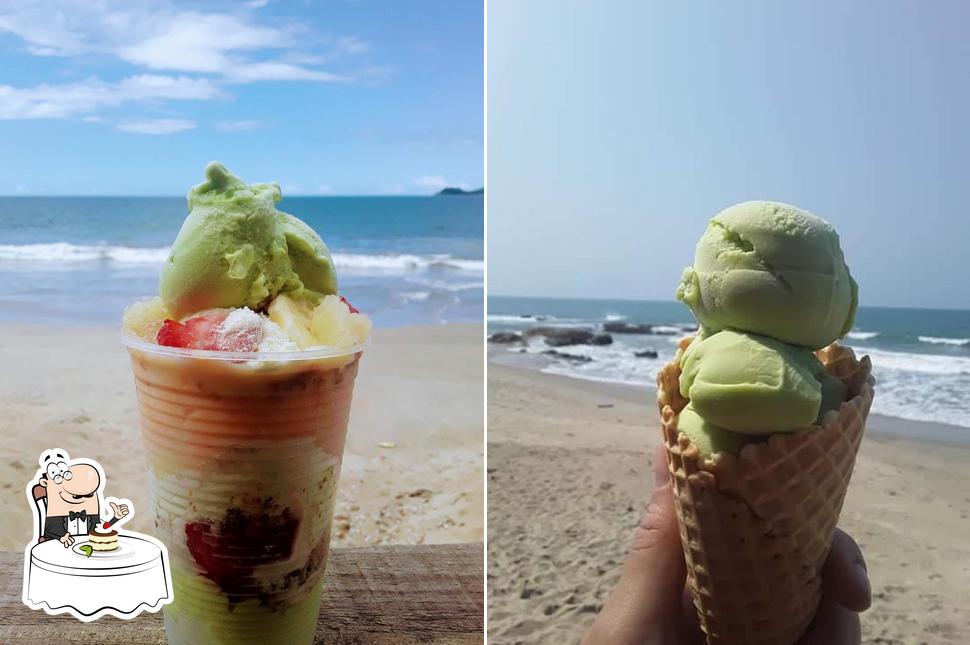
point(844, 576)
point(656, 554)
point(646, 602)
point(661, 472)
point(652, 578)
point(833, 625)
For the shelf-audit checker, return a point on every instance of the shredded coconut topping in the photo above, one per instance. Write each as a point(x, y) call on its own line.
point(275, 339)
point(241, 328)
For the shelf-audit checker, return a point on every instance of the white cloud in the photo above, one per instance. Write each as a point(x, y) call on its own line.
point(195, 42)
point(237, 126)
point(47, 30)
point(303, 58)
point(292, 189)
point(170, 87)
point(157, 126)
point(392, 189)
point(324, 189)
point(20, 190)
point(82, 98)
point(158, 36)
point(202, 51)
point(351, 46)
point(436, 182)
point(276, 71)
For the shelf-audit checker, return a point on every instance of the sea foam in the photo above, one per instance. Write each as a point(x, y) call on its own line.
point(405, 263)
point(516, 319)
point(933, 340)
point(65, 252)
point(862, 335)
point(920, 363)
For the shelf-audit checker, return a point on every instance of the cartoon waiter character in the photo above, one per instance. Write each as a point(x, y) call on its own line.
point(103, 569)
point(72, 494)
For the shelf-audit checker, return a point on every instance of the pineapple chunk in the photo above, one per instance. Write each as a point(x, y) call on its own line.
point(360, 326)
point(334, 325)
point(145, 318)
point(293, 316)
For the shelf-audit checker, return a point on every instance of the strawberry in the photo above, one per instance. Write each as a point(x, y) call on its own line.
point(353, 309)
point(202, 332)
point(229, 552)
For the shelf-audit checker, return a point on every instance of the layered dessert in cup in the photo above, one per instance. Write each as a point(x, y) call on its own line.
point(244, 368)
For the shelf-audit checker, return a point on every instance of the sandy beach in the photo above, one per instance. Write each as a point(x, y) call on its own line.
point(412, 471)
point(569, 474)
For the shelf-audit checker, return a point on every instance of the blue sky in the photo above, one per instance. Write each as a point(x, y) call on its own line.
point(335, 97)
point(617, 129)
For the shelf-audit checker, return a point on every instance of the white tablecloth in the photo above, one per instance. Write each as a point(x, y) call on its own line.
point(121, 584)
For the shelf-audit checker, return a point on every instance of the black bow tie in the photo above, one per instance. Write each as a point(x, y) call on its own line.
point(81, 515)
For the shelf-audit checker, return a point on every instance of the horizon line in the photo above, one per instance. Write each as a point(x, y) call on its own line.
point(30, 196)
point(627, 299)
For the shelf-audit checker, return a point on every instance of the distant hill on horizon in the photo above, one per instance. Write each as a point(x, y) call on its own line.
point(459, 191)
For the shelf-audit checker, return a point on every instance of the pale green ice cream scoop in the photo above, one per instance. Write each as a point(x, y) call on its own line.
point(708, 437)
point(756, 385)
point(236, 250)
point(771, 269)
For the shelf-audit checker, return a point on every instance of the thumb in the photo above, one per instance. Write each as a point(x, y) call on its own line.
point(654, 569)
point(646, 604)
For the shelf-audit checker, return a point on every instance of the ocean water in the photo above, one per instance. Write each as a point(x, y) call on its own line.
point(402, 260)
point(921, 357)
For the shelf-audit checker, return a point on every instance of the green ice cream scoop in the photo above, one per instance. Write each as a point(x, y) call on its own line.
point(710, 438)
point(235, 249)
point(756, 385)
point(772, 269)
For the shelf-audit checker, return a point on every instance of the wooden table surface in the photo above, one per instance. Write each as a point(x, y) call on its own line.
point(391, 594)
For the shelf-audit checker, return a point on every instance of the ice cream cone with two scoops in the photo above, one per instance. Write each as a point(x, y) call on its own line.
point(762, 416)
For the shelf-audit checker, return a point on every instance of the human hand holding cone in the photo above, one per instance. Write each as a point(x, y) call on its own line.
point(761, 433)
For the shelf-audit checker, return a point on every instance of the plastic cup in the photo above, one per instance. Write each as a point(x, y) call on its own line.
point(244, 453)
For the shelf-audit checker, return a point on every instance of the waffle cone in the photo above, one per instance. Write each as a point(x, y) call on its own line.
point(757, 527)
